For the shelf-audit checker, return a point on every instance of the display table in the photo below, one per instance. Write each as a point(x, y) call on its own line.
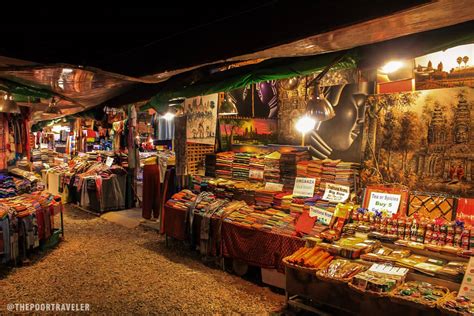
point(254, 247)
point(340, 296)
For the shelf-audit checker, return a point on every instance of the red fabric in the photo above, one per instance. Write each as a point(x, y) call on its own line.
point(256, 247)
point(175, 223)
point(465, 211)
point(151, 191)
point(305, 223)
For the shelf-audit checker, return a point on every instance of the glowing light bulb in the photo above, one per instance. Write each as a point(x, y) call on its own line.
point(305, 124)
point(392, 66)
point(168, 116)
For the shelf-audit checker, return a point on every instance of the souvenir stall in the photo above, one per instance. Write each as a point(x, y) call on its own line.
point(27, 222)
point(350, 188)
point(29, 217)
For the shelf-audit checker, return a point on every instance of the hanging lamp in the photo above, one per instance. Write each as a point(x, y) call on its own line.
point(318, 107)
point(228, 106)
point(8, 105)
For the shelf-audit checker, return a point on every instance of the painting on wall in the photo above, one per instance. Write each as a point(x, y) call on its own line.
point(258, 100)
point(453, 67)
point(201, 113)
point(424, 140)
point(247, 131)
point(337, 138)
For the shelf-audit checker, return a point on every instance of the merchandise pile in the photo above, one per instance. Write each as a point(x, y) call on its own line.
point(240, 166)
point(7, 186)
point(256, 168)
point(288, 163)
point(271, 170)
point(224, 165)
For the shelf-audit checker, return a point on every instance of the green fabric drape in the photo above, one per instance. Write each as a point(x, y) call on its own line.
point(273, 69)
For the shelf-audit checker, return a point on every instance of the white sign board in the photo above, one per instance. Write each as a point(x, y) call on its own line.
point(109, 161)
point(304, 187)
point(336, 193)
point(384, 201)
point(467, 285)
point(256, 174)
point(270, 186)
point(324, 217)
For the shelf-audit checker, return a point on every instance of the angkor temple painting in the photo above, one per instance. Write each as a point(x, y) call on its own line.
point(424, 140)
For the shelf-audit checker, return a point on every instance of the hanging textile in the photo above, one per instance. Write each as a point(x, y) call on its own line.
point(163, 128)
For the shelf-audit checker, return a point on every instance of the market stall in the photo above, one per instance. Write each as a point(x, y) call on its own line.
point(338, 177)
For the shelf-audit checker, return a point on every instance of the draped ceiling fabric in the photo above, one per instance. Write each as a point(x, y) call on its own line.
point(419, 30)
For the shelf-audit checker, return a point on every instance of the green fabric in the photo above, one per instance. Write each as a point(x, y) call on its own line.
point(21, 91)
point(273, 69)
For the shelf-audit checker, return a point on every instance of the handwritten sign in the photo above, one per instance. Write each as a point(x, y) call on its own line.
point(336, 193)
point(109, 161)
point(304, 187)
point(467, 285)
point(256, 174)
point(271, 186)
point(324, 217)
point(384, 201)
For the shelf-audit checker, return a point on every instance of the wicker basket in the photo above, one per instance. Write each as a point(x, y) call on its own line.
point(300, 268)
point(325, 278)
point(449, 311)
point(415, 302)
point(366, 292)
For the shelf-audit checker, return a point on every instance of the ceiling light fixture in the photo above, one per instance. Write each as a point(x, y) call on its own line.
point(318, 107)
point(228, 106)
point(8, 105)
point(392, 66)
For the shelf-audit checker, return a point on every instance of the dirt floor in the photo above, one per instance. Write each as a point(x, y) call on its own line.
point(120, 270)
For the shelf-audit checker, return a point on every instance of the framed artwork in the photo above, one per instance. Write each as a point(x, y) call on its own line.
point(453, 67)
point(247, 131)
point(423, 140)
point(201, 113)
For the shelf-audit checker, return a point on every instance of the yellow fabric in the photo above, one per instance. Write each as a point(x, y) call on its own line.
point(150, 161)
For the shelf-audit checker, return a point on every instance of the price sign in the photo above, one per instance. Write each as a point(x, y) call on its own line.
point(324, 217)
point(336, 193)
point(304, 187)
point(256, 174)
point(270, 186)
point(109, 161)
point(384, 201)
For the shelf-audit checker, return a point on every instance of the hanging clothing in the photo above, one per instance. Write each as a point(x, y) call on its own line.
point(151, 191)
point(163, 129)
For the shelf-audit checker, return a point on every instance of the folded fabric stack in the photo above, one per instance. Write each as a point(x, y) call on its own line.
point(271, 171)
point(7, 186)
point(269, 220)
point(328, 172)
point(315, 170)
point(240, 166)
point(297, 206)
point(224, 164)
point(181, 200)
point(264, 199)
point(288, 163)
point(210, 163)
point(256, 168)
point(22, 185)
point(346, 173)
point(282, 201)
point(302, 169)
point(36, 155)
